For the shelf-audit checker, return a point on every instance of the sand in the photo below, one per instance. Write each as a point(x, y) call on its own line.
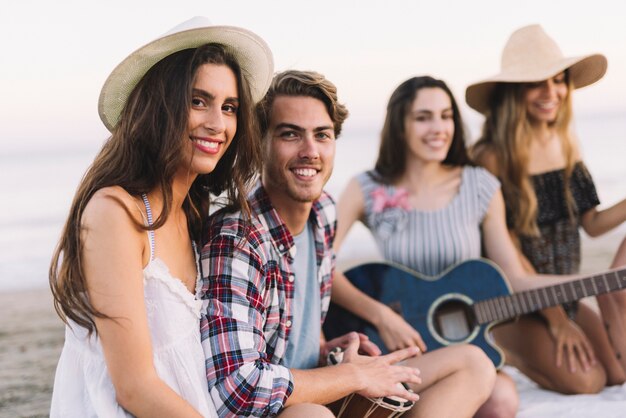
point(31, 337)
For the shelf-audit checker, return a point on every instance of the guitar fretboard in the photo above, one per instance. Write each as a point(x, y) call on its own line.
point(507, 307)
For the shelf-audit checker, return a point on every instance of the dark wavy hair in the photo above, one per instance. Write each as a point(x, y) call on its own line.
point(144, 152)
point(391, 162)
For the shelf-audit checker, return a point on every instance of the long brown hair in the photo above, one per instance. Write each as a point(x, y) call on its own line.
point(391, 162)
point(143, 153)
point(507, 133)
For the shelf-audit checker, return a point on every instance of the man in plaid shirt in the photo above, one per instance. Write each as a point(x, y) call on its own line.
point(266, 281)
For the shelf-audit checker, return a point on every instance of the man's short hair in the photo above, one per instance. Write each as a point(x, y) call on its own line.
point(305, 84)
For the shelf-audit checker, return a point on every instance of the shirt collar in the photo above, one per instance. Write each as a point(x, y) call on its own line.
point(271, 220)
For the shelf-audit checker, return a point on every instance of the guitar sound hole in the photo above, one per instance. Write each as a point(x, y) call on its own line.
point(451, 321)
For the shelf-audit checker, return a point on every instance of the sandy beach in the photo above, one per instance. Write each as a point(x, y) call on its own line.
point(31, 337)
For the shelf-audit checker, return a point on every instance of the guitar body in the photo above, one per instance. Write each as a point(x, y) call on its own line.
point(439, 308)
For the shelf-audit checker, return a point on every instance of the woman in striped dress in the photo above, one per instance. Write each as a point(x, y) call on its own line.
point(428, 208)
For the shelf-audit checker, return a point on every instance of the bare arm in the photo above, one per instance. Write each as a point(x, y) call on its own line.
point(499, 244)
point(597, 222)
point(113, 262)
point(394, 330)
point(350, 208)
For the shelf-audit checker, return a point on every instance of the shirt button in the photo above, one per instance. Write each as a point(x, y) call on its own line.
point(288, 323)
point(291, 278)
point(281, 247)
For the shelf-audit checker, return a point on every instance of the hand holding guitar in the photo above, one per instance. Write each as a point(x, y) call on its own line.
point(395, 332)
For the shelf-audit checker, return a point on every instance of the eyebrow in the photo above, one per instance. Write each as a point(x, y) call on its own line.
point(205, 94)
point(418, 111)
point(300, 128)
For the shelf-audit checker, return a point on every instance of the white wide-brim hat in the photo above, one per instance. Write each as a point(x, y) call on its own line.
point(250, 51)
point(530, 55)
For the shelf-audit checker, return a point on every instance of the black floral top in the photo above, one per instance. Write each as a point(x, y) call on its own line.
point(557, 249)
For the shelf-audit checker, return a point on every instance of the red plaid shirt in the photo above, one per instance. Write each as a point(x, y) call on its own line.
point(247, 290)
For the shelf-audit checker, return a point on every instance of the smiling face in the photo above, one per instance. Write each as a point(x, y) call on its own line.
point(429, 125)
point(299, 150)
point(212, 122)
point(544, 99)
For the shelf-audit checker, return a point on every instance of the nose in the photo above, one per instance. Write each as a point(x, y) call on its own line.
point(308, 148)
point(214, 120)
point(437, 124)
point(549, 87)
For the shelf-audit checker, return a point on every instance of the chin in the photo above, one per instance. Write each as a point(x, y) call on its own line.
point(436, 158)
point(204, 170)
point(305, 196)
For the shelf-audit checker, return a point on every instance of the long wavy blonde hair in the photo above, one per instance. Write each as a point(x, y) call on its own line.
point(507, 133)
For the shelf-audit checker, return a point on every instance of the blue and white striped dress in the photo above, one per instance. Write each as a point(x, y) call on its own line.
point(428, 241)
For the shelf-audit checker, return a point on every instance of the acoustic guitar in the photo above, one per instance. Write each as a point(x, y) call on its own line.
point(459, 306)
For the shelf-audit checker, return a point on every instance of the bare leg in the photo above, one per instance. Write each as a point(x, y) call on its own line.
point(620, 257)
point(456, 380)
point(503, 401)
point(530, 347)
point(613, 309)
point(591, 323)
point(306, 410)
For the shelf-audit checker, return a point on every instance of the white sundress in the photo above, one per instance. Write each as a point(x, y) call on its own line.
point(82, 385)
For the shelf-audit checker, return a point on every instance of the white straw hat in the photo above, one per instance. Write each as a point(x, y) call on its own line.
point(530, 55)
point(251, 52)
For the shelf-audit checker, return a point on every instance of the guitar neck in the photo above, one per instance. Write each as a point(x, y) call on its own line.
point(506, 307)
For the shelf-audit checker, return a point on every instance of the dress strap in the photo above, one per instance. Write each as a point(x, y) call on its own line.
point(144, 197)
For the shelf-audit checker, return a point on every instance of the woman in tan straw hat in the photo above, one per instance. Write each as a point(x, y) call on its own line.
point(528, 143)
point(124, 275)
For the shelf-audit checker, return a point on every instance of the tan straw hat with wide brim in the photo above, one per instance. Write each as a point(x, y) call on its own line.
point(530, 55)
point(251, 52)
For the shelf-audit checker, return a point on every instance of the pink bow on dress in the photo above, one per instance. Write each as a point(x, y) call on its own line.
point(384, 200)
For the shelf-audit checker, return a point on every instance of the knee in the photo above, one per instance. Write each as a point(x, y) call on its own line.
point(620, 256)
point(494, 409)
point(588, 383)
point(317, 411)
point(617, 380)
point(503, 401)
point(482, 368)
point(307, 410)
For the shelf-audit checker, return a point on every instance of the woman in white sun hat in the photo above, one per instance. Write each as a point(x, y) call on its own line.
point(124, 275)
point(528, 143)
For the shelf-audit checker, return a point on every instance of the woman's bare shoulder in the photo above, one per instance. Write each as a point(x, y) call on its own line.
point(112, 205)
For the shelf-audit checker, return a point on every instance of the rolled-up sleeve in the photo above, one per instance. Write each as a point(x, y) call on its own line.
point(242, 380)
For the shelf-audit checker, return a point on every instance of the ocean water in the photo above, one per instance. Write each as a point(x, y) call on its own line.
point(38, 186)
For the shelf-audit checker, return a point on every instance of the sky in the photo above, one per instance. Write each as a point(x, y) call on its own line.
point(57, 54)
